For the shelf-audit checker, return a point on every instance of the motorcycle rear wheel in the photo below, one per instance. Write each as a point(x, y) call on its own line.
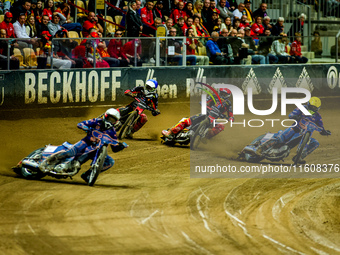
point(97, 166)
point(198, 135)
point(31, 174)
point(305, 140)
point(128, 125)
point(250, 158)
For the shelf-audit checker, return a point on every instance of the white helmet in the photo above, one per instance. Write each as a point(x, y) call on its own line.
point(110, 118)
point(150, 86)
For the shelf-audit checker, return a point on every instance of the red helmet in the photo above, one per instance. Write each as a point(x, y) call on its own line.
point(225, 93)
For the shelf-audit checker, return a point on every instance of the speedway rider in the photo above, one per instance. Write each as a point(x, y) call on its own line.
point(104, 125)
point(147, 93)
point(313, 106)
point(214, 112)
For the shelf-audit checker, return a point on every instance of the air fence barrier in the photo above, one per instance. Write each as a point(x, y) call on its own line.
point(31, 89)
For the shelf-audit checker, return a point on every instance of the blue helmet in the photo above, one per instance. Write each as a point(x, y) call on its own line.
point(150, 86)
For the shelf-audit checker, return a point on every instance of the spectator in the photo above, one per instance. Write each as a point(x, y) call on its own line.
point(199, 30)
point(38, 11)
point(14, 62)
point(218, 25)
point(147, 18)
point(198, 8)
point(158, 11)
point(244, 22)
point(225, 47)
point(53, 25)
point(63, 49)
point(214, 23)
point(20, 33)
point(7, 25)
point(316, 46)
point(255, 57)
point(43, 25)
point(278, 27)
point(239, 12)
point(134, 24)
point(178, 13)
point(214, 52)
point(297, 26)
point(49, 8)
point(227, 24)
point(21, 9)
point(179, 26)
point(236, 44)
point(91, 25)
point(257, 28)
point(129, 51)
point(265, 43)
point(224, 10)
point(169, 23)
point(295, 50)
point(187, 25)
point(189, 10)
point(279, 49)
point(261, 11)
point(177, 45)
point(249, 12)
point(30, 27)
point(192, 45)
point(213, 7)
point(115, 49)
point(65, 10)
point(266, 23)
point(236, 23)
point(207, 16)
point(101, 49)
point(232, 5)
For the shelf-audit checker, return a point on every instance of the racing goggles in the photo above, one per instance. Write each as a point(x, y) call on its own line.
point(111, 119)
point(150, 89)
point(313, 109)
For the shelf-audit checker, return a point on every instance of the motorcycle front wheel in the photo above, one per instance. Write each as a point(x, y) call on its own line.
point(199, 134)
point(97, 166)
point(304, 141)
point(128, 125)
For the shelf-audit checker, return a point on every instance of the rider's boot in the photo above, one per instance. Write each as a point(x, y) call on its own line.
point(301, 160)
point(167, 133)
point(86, 175)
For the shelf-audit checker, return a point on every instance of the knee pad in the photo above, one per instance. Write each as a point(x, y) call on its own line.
point(181, 125)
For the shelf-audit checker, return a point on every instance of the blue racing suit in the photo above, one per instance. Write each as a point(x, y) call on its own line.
point(294, 131)
point(84, 149)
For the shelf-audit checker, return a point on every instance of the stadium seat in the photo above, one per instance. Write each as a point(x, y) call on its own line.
point(74, 34)
point(202, 51)
point(30, 59)
point(17, 54)
point(110, 28)
point(81, 14)
point(118, 19)
point(2, 17)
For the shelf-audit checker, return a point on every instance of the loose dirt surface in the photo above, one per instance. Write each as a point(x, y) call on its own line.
point(148, 204)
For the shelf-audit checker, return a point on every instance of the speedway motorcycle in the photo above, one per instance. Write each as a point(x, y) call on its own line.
point(128, 121)
point(34, 166)
point(279, 151)
point(194, 134)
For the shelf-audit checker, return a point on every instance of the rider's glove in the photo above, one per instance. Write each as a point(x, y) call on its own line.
point(296, 117)
point(155, 112)
point(120, 146)
point(87, 129)
point(325, 132)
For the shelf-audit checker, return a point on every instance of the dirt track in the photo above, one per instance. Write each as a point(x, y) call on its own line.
point(148, 204)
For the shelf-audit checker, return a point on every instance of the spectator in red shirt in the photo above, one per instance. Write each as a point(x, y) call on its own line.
point(129, 51)
point(91, 25)
point(244, 22)
point(7, 25)
point(257, 28)
point(147, 18)
point(295, 50)
point(115, 49)
point(178, 13)
point(49, 8)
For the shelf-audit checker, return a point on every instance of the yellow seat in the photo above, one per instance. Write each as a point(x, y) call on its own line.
point(74, 34)
point(18, 55)
point(110, 28)
point(118, 19)
point(2, 17)
point(202, 51)
point(30, 59)
point(81, 13)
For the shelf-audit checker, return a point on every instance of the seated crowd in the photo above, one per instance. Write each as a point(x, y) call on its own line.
point(216, 33)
